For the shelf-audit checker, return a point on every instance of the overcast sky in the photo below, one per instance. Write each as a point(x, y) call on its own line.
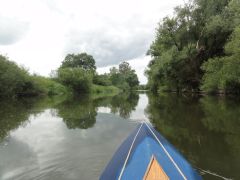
point(39, 33)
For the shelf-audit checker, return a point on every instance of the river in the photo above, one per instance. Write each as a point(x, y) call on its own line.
point(74, 138)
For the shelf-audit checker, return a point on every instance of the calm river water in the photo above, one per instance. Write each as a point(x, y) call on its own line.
point(74, 138)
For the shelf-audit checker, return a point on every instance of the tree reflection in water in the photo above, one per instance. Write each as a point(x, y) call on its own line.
point(76, 112)
point(12, 115)
point(205, 129)
point(80, 112)
point(124, 104)
point(16, 112)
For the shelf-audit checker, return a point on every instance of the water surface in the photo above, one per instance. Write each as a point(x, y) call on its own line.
point(74, 138)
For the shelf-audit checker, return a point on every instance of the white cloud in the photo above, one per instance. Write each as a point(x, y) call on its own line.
point(40, 33)
point(140, 65)
point(11, 30)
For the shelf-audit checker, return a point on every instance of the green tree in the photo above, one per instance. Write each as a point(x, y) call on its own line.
point(77, 72)
point(115, 77)
point(132, 79)
point(78, 79)
point(124, 77)
point(82, 60)
point(124, 68)
point(102, 79)
point(113, 70)
point(16, 81)
point(223, 73)
point(196, 33)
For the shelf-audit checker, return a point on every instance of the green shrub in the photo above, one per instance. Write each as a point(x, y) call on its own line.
point(103, 80)
point(78, 79)
point(105, 90)
point(223, 74)
point(16, 81)
point(43, 85)
point(13, 79)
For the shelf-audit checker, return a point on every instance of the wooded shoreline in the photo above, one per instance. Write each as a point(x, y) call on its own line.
point(197, 49)
point(76, 75)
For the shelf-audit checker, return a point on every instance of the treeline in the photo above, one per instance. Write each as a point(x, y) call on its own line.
point(78, 72)
point(197, 49)
point(124, 77)
point(76, 75)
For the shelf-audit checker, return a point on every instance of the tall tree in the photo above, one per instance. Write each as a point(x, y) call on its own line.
point(124, 68)
point(223, 73)
point(76, 72)
point(196, 33)
point(124, 76)
point(82, 60)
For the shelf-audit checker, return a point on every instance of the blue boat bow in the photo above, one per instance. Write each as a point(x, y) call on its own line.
point(134, 157)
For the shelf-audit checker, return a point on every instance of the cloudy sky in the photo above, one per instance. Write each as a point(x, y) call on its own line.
point(38, 34)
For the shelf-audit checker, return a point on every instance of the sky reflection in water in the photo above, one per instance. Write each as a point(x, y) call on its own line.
point(62, 138)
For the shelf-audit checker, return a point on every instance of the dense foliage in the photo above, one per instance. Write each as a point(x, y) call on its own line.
point(78, 79)
point(82, 60)
point(77, 74)
point(102, 79)
point(16, 81)
point(188, 51)
point(124, 77)
point(13, 79)
point(105, 91)
point(223, 73)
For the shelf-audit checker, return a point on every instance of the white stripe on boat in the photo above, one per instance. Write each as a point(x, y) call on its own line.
point(129, 152)
point(169, 156)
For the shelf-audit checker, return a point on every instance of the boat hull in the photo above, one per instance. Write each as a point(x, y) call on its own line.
point(133, 158)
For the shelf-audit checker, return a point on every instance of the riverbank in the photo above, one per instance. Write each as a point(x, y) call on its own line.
point(203, 93)
point(16, 81)
point(104, 91)
point(69, 79)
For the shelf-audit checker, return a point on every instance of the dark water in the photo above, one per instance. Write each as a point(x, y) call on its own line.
point(74, 138)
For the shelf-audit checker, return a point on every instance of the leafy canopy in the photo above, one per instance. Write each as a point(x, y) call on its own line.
point(124, 77)
point(82, 60)
point(77, 71)
point(196, 34)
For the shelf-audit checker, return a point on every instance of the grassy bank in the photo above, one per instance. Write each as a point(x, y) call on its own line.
point(104, 91)
point(47, 86)
point(16, 81)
